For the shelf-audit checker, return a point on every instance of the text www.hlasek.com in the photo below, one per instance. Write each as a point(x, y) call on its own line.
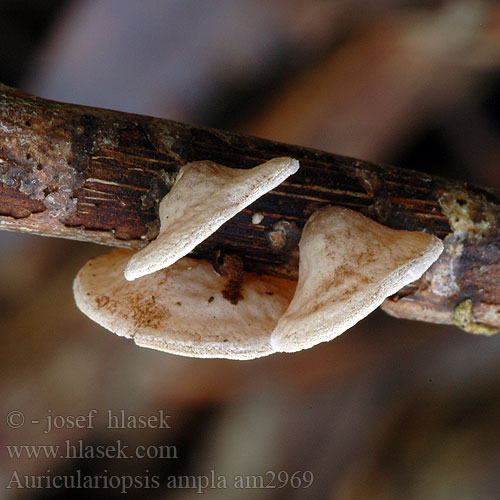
point(79, 450)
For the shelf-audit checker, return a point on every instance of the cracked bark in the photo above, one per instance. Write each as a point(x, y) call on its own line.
point(98, 175)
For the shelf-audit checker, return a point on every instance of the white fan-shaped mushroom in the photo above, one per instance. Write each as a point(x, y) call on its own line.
point(348, 265)
point(181, 309)
point(204, 196)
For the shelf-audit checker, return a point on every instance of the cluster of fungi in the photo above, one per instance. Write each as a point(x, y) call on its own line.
point(164, 300)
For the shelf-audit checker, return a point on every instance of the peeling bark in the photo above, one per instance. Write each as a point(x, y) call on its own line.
point(466, 277)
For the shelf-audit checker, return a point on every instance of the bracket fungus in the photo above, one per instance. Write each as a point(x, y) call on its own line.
point(181, 309)
point(204, 196)
point(161, 299)
point(348, 265)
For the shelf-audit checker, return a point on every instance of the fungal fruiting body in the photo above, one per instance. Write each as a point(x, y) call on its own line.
point(348, 265)
point(181, 309)
point(204, 196)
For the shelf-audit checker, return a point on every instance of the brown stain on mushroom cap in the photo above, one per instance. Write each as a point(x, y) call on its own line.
point(230, 266)
point(146, 313)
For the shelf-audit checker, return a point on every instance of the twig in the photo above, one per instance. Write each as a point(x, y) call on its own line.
point(97, 175)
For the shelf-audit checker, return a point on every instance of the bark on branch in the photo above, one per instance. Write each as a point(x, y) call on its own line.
point(98, 175)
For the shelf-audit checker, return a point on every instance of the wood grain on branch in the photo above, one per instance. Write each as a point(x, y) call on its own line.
point(98, 175)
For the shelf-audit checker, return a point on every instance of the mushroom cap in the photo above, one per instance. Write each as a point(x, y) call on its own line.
point(204, 196)
point(180, 309)
point(348, 265)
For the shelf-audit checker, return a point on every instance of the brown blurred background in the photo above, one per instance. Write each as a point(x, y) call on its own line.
point(390, 410)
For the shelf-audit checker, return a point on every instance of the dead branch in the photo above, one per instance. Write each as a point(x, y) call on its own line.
point(98, 175)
